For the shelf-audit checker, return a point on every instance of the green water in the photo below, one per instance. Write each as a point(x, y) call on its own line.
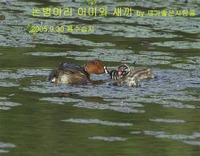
point(161, 117)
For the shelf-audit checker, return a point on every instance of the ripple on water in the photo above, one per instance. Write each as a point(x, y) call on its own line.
point(178, 44)
point(187, 66)
point(181, 137)
point(51, 54)
point(3, 151)
point(52, 88)
point(165, 103)
point(162, 134)
point(167, 120)
point(3, 98)
point(97, 121)
point(122, 109)
point(124, 104)
point(194, 60)
point(8, 84)
point(10, 75)
point(22, 73)
point(196, 143)
point(101, 53)
point(59, 100)
point(33, 72)
point(109, 139)
point(5, 105)
point(170, 104)
point(6, 145)
point(135, 132)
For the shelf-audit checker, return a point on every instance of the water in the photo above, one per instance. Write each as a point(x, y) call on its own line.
point(159, 118)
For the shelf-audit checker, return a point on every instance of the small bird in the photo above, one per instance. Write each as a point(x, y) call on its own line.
point(67, 73)
point(126, 76)
point(140, 72)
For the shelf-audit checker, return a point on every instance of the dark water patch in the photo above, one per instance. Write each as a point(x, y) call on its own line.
point(2, 17)
point(97, 121)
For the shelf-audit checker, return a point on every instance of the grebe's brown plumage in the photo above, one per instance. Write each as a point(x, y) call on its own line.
point(67, 73)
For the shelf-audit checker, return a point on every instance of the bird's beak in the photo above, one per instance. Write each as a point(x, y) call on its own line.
point(105, 69)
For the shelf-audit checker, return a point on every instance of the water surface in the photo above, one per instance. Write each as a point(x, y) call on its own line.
point(159, 118)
